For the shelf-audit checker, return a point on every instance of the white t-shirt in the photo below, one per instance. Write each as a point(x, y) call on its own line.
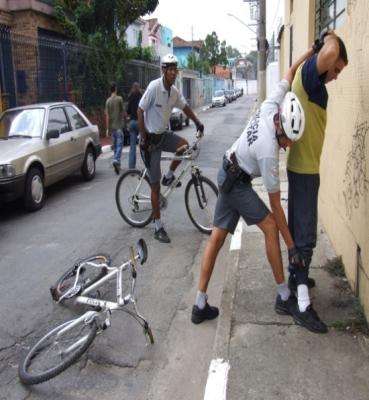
point(257, 149)
point(157, 104)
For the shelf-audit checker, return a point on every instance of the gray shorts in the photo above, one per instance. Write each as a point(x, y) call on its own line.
point(168, 143)
point(241, 201)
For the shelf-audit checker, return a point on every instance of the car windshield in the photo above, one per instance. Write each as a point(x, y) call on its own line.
point(218, 93)
point(22, 123)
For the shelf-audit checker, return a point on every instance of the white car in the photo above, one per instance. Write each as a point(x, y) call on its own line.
point(219, 99)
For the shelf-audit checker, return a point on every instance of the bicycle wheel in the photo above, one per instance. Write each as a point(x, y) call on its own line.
point(56, 351)
point(88, 275)
point(200, 199)
point(133, 198)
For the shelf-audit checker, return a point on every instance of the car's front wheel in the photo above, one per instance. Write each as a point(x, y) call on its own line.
point(34, 194)
point(88, 167)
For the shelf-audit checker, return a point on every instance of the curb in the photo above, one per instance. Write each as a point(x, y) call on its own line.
point(224, 326)
point(106, 148)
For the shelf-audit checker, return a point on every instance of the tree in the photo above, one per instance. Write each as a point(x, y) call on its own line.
point(101, 25)
point(198, 63)
point(210, 50)
point(110, 18)
point(232, 52)
point(223, 60)
point(253, 58)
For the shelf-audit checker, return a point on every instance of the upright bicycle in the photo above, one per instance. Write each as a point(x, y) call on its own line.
point(133, 192)
point(66, 343)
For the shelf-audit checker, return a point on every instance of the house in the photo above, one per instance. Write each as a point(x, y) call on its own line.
point(134, 34)
point(23, 24)
point(182, 48)
point(158, 36)
point(344, 167)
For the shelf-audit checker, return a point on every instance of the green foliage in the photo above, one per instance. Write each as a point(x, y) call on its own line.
point(232, 52)
point(223, 60)
point(140, 53)
point(214, 52)
point(100, 25)
point(253, 58)
point(81, 18)
point(197, 63)
point(356, 324)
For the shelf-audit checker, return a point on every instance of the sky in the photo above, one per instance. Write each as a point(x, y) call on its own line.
point(195, 19)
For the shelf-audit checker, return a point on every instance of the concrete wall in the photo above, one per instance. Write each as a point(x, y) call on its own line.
point(344, 192)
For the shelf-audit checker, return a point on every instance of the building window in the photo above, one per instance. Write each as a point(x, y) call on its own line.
point(329, 14)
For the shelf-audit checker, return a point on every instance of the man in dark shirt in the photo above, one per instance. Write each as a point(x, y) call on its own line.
point(134, 97)
point(114, 122)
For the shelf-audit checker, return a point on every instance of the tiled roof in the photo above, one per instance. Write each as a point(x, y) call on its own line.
point(179, 42)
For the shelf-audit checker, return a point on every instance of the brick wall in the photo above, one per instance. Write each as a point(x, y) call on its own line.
point(5, 18)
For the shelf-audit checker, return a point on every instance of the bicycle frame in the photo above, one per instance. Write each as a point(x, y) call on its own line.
point(192, 153)
point(105, 306)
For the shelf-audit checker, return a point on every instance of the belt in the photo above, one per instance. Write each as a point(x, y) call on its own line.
point(242, 175)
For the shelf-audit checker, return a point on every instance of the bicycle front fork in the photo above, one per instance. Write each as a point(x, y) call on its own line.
point(199, 188)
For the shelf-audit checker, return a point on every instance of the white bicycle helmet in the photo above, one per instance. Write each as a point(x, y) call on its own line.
point(169, 60)
point(292, 117)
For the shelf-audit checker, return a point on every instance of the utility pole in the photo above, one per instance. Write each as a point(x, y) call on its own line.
point(262, 48)
point(258, 12)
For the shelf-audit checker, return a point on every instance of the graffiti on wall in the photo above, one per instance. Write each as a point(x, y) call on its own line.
point(356, 182)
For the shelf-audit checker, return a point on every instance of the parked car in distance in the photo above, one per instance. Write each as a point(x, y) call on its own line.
point(229, 95)
point(177, 118)
point(41, 144)
point(218, 99)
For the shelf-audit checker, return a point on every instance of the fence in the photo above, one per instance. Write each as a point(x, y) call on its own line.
point(37, 69)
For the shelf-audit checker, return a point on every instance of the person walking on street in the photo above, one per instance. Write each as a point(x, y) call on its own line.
point(134, 98)
point(278, 123)
point(114, 116)
point(153, 113)
point(303, 161)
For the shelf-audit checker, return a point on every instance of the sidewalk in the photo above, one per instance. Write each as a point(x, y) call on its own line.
point(269, 356)
point(105, 143)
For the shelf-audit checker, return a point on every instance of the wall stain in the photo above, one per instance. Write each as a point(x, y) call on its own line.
point(351, 4)
point(356, 182)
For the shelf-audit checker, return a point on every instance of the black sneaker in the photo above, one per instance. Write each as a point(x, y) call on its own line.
point(199, 315)
point(167, 182)
point(116, 167)
point(285, 307)
point(292, 284)
point(162, 236)
point(309, 319)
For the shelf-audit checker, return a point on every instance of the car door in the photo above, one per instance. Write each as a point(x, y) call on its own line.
point(63, 150)
point(80, 130)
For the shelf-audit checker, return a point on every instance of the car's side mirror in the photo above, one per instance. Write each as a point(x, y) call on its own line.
point(52, 134)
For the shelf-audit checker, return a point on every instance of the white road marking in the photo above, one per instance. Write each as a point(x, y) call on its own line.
point(237, 236)
point(216, 385)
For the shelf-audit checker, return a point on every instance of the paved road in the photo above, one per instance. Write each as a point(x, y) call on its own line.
point(80, 219)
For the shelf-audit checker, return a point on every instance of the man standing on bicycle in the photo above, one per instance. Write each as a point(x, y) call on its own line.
point(153, 113)
point(277, 124)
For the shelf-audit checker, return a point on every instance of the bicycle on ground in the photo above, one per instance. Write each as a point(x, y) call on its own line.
point(65, 344)
point(133, 191)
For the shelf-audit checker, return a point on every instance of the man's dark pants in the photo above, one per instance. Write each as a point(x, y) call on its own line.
point(303, 218)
